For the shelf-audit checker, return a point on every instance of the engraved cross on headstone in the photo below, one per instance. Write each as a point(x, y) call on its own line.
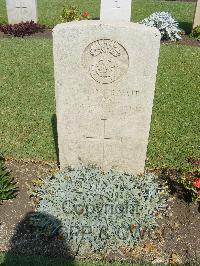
point(21, 11)
point(21, 6)
point(115, 10)
point(103, 139)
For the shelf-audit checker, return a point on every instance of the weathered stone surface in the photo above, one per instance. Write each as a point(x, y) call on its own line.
point(115, 10)
point(197, 15)
point(21, 11)
point(105, 78)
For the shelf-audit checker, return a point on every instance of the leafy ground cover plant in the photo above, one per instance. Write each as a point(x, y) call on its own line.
point(192, 182)
point(73, 13)
point(165, 23)
point(98, 211)
point(7, 185)
point(196, 32)
point(193, 185)
point(22, 29)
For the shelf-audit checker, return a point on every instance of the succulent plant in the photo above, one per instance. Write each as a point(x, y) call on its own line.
point(99, 210)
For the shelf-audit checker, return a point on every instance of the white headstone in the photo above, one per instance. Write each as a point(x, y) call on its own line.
point(197, 15)
point(105, 79)
point(21, 11)
point(115, 10)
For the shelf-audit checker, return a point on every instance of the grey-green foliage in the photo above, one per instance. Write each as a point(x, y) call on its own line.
point(100, 210)
point(165, 23)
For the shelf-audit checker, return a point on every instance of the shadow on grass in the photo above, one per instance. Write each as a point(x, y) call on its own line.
point(55, 135)
point(187, 27)
point(33, 243)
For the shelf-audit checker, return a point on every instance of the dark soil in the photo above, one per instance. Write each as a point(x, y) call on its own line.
point(177, 240)
point(12, 212)
point(181, 229)
point(185, 41)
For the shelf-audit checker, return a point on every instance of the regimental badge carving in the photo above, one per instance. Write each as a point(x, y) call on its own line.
point(106, 61)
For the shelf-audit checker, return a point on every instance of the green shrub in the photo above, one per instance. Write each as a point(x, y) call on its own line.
point(99, 210)
point(196, 32)
point(7, 185)
point(72, 13)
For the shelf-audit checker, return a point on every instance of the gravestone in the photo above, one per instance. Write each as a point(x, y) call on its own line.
point(105, 76)
point(197, 15)
point(115, 10)
point(21, 11)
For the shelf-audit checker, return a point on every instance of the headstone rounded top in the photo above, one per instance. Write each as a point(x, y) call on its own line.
point(140, 28)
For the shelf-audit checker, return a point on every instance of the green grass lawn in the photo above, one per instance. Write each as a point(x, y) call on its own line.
point(8, 259)
point(50, 11)
point(28, 104)
point(27, 89)
point(27, 98)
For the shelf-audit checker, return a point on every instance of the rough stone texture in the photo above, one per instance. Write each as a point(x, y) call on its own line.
point(105, 78)
point(197, 15)
point(115, 10)
point(21, 11)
